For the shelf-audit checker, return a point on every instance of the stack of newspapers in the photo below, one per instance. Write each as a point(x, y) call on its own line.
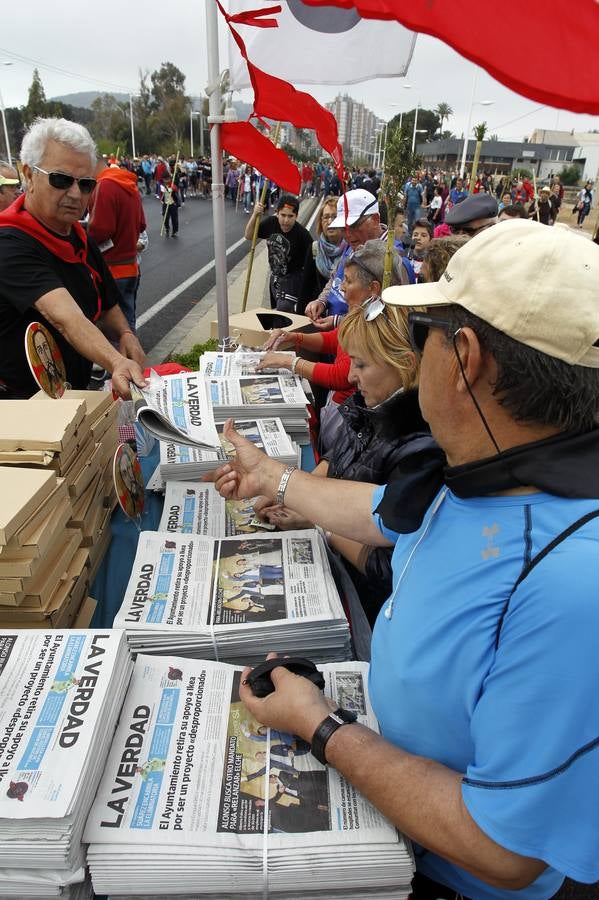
point(235, 598)
point(224, 365)
point(199, 799)
point(176, 408)
point(182, 463)
point(195, 508)
point(60, 697)
point(261, 397)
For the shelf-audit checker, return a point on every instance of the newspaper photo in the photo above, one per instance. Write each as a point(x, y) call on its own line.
point(190, 582)
point(176, 408)
point(192, 508)
point(225, 365)
point(52, 688)
point(190, 766)
point(259, 390)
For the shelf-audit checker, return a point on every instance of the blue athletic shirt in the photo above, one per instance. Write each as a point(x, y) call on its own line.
point(520, 719)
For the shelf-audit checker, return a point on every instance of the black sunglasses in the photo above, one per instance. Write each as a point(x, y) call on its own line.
point(62, 182)
point(468, 231)
point(419, 325)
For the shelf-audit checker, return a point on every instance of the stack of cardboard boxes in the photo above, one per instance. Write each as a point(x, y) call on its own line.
point(56, 484)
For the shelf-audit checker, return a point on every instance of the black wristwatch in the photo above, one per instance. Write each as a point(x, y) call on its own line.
point(327, 728)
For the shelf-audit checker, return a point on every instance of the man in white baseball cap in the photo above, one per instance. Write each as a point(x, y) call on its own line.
point(10, 185)
point(484, 666)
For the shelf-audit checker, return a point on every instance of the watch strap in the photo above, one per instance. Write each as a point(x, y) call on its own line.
point(327, 729)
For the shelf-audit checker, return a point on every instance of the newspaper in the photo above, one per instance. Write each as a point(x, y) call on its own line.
point(192, 508)
point(52, 689)
point(190, 582)
point(190, 766)
point(219, 365)
point(258, 390)
point(267, 434)
point(175, 408)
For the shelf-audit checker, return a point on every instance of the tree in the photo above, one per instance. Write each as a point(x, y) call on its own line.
point(428, 121)
point(169, 105)
point(36, 100)
point(400, 164)
point(444, 111)
point(479, 133)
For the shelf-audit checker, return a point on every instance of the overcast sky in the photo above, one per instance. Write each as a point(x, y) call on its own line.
point(105, 48)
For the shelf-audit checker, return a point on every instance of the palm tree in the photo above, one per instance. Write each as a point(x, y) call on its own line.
point(479, 133)
point(444, 111)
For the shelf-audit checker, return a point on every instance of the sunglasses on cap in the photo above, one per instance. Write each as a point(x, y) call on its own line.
point(372, 308)
point(62, 182)
point(419, 325)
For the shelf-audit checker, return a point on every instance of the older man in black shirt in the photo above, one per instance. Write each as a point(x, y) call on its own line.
point(51, 272)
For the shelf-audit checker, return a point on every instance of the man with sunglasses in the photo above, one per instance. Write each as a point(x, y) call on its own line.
point(474, 214)
point(10, 185)
point(50, 271)
point(484, 666)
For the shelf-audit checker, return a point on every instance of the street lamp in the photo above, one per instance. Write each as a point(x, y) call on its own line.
point(131, 96)
point(406, 87)
point(2, 110)
point(192, 113)
point(467, 133)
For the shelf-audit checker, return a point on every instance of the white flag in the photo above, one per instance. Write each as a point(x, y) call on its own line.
point(319, 45)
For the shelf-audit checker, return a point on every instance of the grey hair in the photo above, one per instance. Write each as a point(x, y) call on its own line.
point(369, 261)
point(71, 134)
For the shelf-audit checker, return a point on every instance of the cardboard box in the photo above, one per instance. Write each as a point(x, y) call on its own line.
point(97, 403)
point(39, 425)
point(86, 613)
point(87, 472)
point(22, 492)
point(63, 605)
point(84, 502)
point(54, 569)
point(26, 535)
point(98, 551)
point(251, 327)
point(55, 522)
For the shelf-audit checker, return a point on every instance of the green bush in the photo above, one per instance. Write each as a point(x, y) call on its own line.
point(570, 175)
point(192, 358)
point(522, 173)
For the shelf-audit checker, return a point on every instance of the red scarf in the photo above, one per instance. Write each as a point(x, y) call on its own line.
point(16, 216)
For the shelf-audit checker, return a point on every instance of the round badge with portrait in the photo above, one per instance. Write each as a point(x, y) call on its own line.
point(128, 481)
point(45, 361)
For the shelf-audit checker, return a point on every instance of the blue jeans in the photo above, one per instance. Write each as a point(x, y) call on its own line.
point(128, 291)
point(413, 216)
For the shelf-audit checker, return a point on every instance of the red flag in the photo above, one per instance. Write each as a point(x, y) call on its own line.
point(279, 100)
point(568, 78)
point(245, 142)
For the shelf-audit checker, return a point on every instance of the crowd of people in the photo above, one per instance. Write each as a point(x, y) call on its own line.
point(456, 477)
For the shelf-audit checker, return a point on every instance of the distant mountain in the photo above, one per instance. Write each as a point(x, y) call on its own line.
point(84, 99)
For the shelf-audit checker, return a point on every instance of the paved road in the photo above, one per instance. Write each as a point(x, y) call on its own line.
point(169, 262)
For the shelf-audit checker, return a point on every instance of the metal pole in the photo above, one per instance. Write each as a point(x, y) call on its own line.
point(6, 141)
point(191, 130)
point(467, 133)
point(132, 128)
point(218, 187)
point(415, 126)
point(201, 133)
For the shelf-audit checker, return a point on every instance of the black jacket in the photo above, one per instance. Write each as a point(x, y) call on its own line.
point(388, 443)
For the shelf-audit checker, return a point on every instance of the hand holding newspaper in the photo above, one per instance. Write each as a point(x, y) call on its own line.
point(176, 409)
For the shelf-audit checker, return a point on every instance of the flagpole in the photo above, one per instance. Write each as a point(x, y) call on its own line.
point(218, 187)
point(248, 276)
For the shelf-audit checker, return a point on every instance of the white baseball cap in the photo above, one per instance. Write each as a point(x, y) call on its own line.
point(359, 203)
point(539, 285)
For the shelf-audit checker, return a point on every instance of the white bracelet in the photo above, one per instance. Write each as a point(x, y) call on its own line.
point(280, 495)
point(296, 360)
